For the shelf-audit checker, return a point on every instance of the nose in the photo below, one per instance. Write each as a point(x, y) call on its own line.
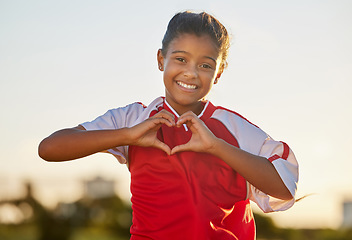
point(190, 71)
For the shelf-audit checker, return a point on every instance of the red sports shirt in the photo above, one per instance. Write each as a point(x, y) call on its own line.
point(192, 195)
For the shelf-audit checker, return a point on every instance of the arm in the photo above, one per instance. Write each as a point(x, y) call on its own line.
point(73, 143)
point(257, 170)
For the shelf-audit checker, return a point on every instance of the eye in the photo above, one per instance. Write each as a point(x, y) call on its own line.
point(205, 65)
point(181, 59)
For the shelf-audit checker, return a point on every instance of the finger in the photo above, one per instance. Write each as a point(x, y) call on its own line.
point(184, 118)
point(161, 120)
point(163, 147)
point(188, 114)
point(166, 115)
point(188, 119)
point(180, 148)
point(158, 121)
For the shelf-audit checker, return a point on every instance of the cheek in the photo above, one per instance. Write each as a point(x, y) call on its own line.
point(168, 76)
point(171, 70)
point(208, 77)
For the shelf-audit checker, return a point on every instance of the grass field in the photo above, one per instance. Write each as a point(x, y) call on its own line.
point(29, 232)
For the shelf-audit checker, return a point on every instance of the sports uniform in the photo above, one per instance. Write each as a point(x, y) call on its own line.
point(192, 195)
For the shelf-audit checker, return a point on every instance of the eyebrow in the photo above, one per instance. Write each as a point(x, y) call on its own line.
point(180, 51)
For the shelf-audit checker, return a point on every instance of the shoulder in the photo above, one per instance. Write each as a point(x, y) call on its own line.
point(249, 136)
point(120, 117)
point(230, 117)
point(132, 108)
point(136, 112)
point(136, 108)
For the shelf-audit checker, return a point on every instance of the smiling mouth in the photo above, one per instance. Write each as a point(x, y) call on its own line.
point(188, 86)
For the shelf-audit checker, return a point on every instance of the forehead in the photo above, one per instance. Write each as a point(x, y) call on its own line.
point(202, 45)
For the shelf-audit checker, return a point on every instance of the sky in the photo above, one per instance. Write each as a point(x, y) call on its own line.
point(290, 72)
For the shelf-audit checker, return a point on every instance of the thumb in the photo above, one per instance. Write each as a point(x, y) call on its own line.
point(180, 148)
point(163, 146)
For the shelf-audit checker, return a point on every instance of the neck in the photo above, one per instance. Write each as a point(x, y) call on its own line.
point(195, 108)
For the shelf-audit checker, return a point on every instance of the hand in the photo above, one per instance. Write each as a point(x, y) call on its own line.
point(202, 140)
point(145, 133)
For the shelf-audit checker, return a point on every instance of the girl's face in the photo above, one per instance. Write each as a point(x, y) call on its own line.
point(190, 65)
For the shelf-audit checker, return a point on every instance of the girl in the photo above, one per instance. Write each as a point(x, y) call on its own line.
point(194, 166)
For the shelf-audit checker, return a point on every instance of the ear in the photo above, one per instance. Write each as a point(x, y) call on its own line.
point(218, 75)
point(160, 59)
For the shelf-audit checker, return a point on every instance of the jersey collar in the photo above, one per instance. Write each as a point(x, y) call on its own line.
point(204, 115)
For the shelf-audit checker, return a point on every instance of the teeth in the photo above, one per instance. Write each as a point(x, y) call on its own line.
point(186, 85)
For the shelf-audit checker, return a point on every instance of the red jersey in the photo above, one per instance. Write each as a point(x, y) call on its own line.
point(192, 195)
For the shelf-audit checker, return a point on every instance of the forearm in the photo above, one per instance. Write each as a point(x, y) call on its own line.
point(257, 170)
point(73, 143)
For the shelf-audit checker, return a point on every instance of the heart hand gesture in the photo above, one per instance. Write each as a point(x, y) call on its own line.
point(145, 133)
point(202, 140)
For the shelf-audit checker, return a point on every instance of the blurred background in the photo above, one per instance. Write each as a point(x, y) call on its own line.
point(66, 62)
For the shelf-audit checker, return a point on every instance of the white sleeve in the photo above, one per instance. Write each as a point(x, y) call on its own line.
point(285, 163)
point(116, 119)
